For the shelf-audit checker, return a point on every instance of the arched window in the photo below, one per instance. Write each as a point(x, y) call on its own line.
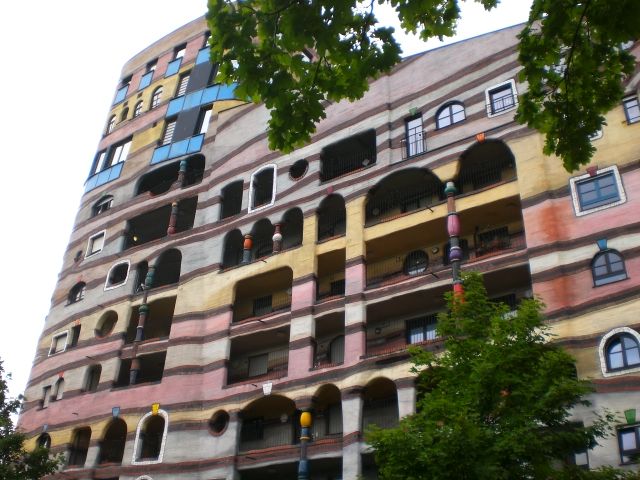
point(168, 266)
point(292, 223)
point(44, 441)
point(93, 378)
point(112, 445)
point(137, 110)
point(124, 114)
point(607, 267)
point(111, 124)
point(156, 97)
point(622, 352)
point(332, 217)
point(79, 447)
point(150, 438)
point(415, 263)
point(262, 190)
point(58, 392)
point(102, 205)
point(76, 293)
point(232, 251)
point(231, 196)
point(449, 114)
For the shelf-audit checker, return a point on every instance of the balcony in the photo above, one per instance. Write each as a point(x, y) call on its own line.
point(263, 295)
point(158, 322)
point(331, 271)
point(332, 218)
point(485, 164)
point(268, 422)
point(380, 404)
point(329, 341)
point(263, 366)
point(390, 336)
point(348, 156)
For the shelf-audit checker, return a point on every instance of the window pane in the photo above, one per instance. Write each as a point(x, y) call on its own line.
point(633, 357)
point(615, 360)
point(628, 439)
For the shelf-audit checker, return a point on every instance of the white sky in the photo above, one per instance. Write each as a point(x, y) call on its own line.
point(61, 63)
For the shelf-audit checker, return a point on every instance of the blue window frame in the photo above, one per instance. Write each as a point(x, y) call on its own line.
point(608, 267)
point(597, 191)
point(145, 80)
point(203, 55)
point(173, 67)
point(121, 94)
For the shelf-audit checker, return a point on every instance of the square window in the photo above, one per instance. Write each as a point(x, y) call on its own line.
point(96, 243)
point(58, 343)
point(597, 192)
point(629, 443)
point(631, 109)
point(501, 98)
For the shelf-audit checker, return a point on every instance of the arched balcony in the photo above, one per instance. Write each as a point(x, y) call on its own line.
point(332, 218)
point(327, 413)
point(270, 421)
point(113, 442)
point(484, 164)
point(380, 404)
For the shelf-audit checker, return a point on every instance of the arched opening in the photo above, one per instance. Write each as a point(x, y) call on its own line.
point(327, 409)
point(332, 217)
point(93, 378)
point(79, 447)
point(58, 391)
point(167, 271)
point(622, 352)
point(380, 404)
point(232, 250)
point(219, 422)
point(106, 323)
point(44, 441)
point(124, 114)
point(113, 442)
point(159, 180)
point(329, 340)
point(141, 275)
point(76, 293)
point(291, 230)
point(262, 235)
point(485, 164)
point(608, 267)
point(402, 192)
point(268, 422)
point(231, 197)
point(156, 97)
point(151, 438)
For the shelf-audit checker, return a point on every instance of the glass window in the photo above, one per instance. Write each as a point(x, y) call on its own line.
point(608, 267)
point(414, 136)
point(156, 97)
point(416, 263)
point(76, 293)
point(182, 87)
point(58, 343)
point(629, 443)
point(145, 80)
point(179, 51)
point(450, 114)
point(422, 329)
point(120, 152)
point(501, 98)
point(137, 110)
point(631, 109)
point(262, 188)
point(623, 352)
point(203, 121)
point(596, 191)
point(168, 132)
point(112, 123)
point(95, 244)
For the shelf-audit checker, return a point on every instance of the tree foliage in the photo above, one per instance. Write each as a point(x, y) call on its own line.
point(495, 405)
point(570, 51)
point(15, 462)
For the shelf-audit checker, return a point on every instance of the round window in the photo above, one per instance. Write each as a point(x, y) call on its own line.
point(106, 324)
point(218, 422)
point(298, 169)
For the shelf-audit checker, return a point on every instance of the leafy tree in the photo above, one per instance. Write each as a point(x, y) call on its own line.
point(570, 51)
point(15, 462)
point(495, 405)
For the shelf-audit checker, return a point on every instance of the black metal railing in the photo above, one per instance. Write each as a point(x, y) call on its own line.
point(329, 289)
point(490, 174)
point(414, 145)
point(501, 102)
point(401, 201)
point(266, 366)
point(259, 434)
point(382, 412)
point(263, 305)
point(337, 165)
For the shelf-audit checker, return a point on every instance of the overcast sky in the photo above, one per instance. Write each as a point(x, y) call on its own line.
point(60, 66)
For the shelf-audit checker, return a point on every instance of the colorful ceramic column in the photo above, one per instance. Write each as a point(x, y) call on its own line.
point(453, 229)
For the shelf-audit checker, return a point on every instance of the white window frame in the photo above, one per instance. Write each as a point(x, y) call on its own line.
point(488, 99)
point(53, 340)
point(576, 200)
point(273, 188)
point(138, 442)
point(126, 278)
point(603, 354)
point(89, 253)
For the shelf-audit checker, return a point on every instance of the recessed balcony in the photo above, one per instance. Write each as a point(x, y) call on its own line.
point(260, 356)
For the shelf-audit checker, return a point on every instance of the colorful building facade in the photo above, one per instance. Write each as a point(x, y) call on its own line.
point(212, 289)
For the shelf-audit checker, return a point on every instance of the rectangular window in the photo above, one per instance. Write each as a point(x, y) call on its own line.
point(145, 80)
point(629, 443)
point(422, 329)
point(203, 120)
point(182, 87)
point(168, 132)
point(46, 396)
point(99, 162)
point(631, 109)
point(95, 244)
point(179, 51)
point(118, 153)
point(58, 343)
point(596, 191)
point(258, 365)
point(501, 98)
point(414, 136)
point(122, 91)
point(75, 336)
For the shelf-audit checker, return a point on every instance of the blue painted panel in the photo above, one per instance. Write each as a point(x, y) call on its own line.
point(227, 92)
point(173, 67)
point(145, 80)
point(90, 184)
point(195, 143)
point(179, 148)
point(175, 106)
point(192, 100)
point(115, 171)
point(160, 154)
point(203, 55)
point(121, 94)
point(210, 94)
point(103, 177)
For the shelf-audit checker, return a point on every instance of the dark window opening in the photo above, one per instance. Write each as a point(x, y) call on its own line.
point(231, 199)
point(292, 223)
point(44, 441)
point(298, 169)
point(218, 422)
point(195, 170)
point(167, 271)
point(262, 187)
point(141, 276)
point(348, 155)
point(106, 324)
point(160, 180)
point(262, 305)
point(93, 378)
point(77, 293)
point(623, 351)
point(262, 234)
point(332, 217)
point(79, 447)
point(485, 164)
point(118, 275)
point(415, 263)
point(493, 241)
point(233, 248)
point(75, 336)
point(608, 267)
point(422, 329)
point(263, 294)
point(151, 369)
point(102, 205)
point(113, 443)
point(158, 321)
point(151, 437)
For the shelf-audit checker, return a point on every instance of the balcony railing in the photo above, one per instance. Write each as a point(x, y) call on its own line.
point(477, 178)
point(338, 165)
point(418, 262)
point(381, 412)
point(259, 434)
point(265, 366)
point(415, 145)
point(399, 202)
point(331, 225)
point(330, 289)
point(262, 306)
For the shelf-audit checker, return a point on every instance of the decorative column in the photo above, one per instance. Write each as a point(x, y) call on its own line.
point(172, 220)
point(135, 369)
point(453, 229)
point(143, 312)
point(277, 238)
point(305, 436)
point(246, 248)
point(181, 173)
